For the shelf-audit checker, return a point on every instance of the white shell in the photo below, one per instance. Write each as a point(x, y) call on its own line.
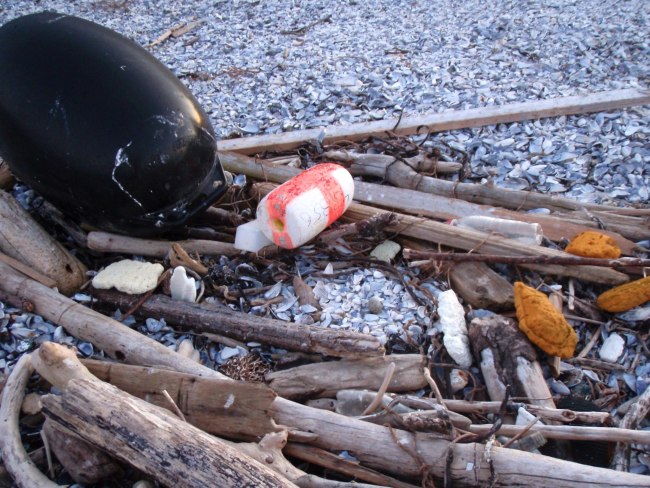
point(452, 323)
point(182, 287)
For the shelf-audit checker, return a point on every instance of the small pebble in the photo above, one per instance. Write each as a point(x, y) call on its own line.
point(375, 305)
point(612, 348)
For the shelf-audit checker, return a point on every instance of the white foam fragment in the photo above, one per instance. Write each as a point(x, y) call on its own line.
point(453, 326)
point(128, 276)
point(612, 348)
point(249, 237)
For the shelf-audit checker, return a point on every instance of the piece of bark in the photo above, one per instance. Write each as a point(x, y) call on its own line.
point(107, 242)
point(325, 379)
point(16, 461)
point(23, 239)
point(6, 177)
point(326, 459)
point(205, 317)
point(480, 242)
point(227, 408)
point(305, 293)
point(631, 420)
point(442, 121)
point(153, 440)
point(555, 227)
point(84, 462)
point(114, 338)
point(506, 357)
point(481, 287)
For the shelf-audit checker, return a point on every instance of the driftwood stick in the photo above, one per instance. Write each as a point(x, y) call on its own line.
point(326, 459)
point(489, 258)
point(572, 432)
point(221, 320)
point(16, 460)
point(380, 165)
point(325, 379)
point(480, 242)
point(114, 338)
point(27, 271)
point(107, 242)
point(442, 121)
point(446, 208)
point(153, 440)
point(24, 240)
point(544, 413)
point(634, 416)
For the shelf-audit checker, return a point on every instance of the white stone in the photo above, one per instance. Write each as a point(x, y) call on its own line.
point(375, 305)
point(182, 286)
point(452, 324)
point(386, 251)
point(458, 379)
point(128, 276)
point(612, 348)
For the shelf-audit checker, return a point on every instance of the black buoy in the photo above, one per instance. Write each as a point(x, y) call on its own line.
point(102, 129)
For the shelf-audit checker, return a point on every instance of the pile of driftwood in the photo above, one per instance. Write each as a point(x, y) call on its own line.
point(180, 423)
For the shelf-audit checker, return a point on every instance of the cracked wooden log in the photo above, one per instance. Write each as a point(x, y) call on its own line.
point(325, 379)
point(480, 242)
point(23, 239)
point(108, 242)
point(114, 338)
point(555, 227)
point(153, 440)
point(506, 357)
point(210, 318)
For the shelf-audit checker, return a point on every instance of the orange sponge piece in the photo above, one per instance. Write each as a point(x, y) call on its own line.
point(625, 297)
point(591, 244)
point(542, 323)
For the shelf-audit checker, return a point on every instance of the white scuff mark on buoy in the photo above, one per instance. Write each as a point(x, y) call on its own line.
point(120, 159)
point(229, 401)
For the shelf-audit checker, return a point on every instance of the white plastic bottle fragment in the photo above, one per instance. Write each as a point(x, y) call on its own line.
point(299, 209)
point(524, 232)
point(182, 286)
point(453, 326)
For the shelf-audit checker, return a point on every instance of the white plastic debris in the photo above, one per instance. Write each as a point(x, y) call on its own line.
point(249, 237)
point(612, 348)
point(182, 286)
point(128, 276)
point(523, 232)
point(453, 326)
point(386, 251)
point(299, 209)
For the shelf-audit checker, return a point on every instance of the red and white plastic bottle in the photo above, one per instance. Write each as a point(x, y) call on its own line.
point(298, 210)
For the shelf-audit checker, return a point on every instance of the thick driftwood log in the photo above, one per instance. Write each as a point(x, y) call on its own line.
point(325, 379)
point(555, 227)
point(113, 337)
point(107, 242)
point(482, 287)
point(16, 460)
point(232, 409)
point(221, 320)
point(507, 357)
point(442, 121)
point(153, 440)
point(480, 242)
point(84, 462)
point(23, 239)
